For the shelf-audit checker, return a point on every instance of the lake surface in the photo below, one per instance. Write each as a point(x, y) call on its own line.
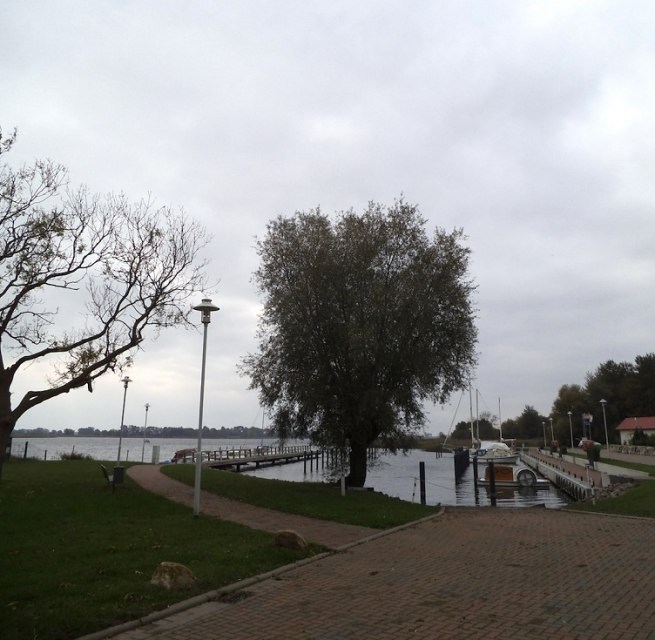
point(398, 476)
point(394, 475)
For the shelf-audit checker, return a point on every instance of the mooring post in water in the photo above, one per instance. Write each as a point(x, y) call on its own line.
point(492, 482)
point(304, 461)
point(475, 473)
point(421, 473)
point(25, 452)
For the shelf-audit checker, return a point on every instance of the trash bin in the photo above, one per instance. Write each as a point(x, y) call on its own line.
point(119, 475)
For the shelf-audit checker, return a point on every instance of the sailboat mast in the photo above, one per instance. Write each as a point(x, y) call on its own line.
point(500, 422)
point(471, 413)
point(477, 417)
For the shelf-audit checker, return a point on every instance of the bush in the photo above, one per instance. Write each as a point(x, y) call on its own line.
point(76, 456)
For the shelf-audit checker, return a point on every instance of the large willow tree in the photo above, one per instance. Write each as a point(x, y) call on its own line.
point(120, 268)
point(365, 317)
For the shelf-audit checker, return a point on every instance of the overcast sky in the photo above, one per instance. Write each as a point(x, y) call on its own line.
point(529, 124)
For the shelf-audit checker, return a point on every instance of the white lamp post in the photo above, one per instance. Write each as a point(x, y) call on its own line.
point(543, 426)
point(206, 308)
point(570, 413)
point(552, 435)
point(145, 426)
point(603, 402)
point(125, 382)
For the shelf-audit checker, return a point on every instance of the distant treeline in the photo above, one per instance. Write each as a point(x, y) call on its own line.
point(134, 431)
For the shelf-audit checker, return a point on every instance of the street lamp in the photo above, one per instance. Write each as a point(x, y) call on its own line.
point(125, 382)
point(570, 413)
point(552, 435)
point(543, 426)
point(603, 402)
point(145, 426)
point(206, 308)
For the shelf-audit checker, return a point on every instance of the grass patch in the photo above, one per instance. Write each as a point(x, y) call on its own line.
point(78, 558)
point(638, 501)
point(316, 500)
point(635, 466)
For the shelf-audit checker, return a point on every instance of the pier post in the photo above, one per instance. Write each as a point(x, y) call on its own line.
point(304, 461)
point(421, 473)
point(492, 482)
point(25, 452)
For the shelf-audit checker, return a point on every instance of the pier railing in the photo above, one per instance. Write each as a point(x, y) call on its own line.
point(237, 453)
point(577, 488)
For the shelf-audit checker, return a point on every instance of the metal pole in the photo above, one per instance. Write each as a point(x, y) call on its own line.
point(570, 413)
point(125, 382)
point(552, 435)
point(196, 486)
point(607, 442)
point(205, 309)
point(543, 426)
point(145, 426)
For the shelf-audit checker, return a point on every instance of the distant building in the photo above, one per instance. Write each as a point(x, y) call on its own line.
point(627, 428)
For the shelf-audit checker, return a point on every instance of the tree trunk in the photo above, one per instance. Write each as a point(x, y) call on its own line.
point(357, 475)
point(7, 421)
point(6, 427)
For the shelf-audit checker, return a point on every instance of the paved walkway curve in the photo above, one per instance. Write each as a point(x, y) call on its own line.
point(330, 534)
point(471, 573)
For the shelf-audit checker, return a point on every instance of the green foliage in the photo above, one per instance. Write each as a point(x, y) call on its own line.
point(77, 558)
point(315, 500)
point(365, 318)
point(75, 456)
point(628, 389)
point(641, 439)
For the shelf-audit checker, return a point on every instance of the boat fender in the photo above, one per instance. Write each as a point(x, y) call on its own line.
point(526, 478)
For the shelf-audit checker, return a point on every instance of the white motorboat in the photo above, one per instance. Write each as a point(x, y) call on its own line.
point(513, 476)
point(499, 452)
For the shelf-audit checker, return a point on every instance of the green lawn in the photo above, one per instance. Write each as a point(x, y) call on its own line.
point(77, 558)
point(311, 499)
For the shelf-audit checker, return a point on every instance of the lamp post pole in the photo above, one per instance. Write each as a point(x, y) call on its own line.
point(206, 308)
point(125, 382)
point(552, 435)
point(145, 426)
point(543, 426)
point(603, 402)
point(570, 413)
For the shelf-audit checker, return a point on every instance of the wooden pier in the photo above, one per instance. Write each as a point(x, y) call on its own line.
point(241, 459)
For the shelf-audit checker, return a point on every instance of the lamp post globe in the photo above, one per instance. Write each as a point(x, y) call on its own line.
point(206, 308)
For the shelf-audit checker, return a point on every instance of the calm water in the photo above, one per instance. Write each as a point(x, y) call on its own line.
point(394, 475)
point(398, 476)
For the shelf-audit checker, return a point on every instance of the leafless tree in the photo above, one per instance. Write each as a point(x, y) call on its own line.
point(127, 267)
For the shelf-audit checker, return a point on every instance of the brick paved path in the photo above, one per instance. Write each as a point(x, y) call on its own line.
point(329, 534)
point(515, 574)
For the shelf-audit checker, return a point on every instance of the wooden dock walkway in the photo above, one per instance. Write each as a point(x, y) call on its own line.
point(253, 458)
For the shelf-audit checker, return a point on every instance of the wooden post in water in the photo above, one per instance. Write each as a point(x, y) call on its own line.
point(25, 452)
point(304, 460)
point(492, 482)
point(421, 467)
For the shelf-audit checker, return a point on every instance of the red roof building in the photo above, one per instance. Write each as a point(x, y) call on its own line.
point(627, 428)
